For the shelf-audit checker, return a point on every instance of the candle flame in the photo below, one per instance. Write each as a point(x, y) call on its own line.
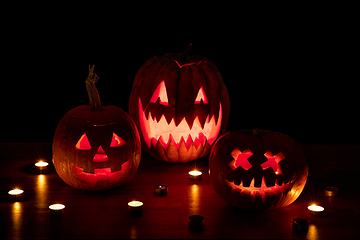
point(315, 208)
point(16, 191)
point(57, 206)
point(41, 164)
point(135, 204)
point(195, 173)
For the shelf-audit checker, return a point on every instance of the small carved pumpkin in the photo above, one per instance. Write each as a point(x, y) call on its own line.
point(95, 147)
point(257, 169)
point(180, 105)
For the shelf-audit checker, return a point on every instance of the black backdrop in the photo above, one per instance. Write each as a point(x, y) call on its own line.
point(296, 77)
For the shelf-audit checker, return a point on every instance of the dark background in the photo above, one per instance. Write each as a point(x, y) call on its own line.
point(293, 74)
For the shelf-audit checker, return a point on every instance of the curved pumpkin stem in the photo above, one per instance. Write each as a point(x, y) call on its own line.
point(94, 98)
point(186, 52)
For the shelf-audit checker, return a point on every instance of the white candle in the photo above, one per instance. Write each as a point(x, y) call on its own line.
point(57, 208)
point(41, 164)
point(135, 206)
point(195, 175)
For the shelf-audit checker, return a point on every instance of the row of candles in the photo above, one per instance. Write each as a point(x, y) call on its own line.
point(136, 206)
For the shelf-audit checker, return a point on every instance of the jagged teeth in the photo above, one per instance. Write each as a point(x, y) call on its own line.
point(162, 130)
point(263, 190)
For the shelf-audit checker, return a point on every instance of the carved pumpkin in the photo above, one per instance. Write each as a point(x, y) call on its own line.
point(257, 169)
point(180, 105)
point(95, 147)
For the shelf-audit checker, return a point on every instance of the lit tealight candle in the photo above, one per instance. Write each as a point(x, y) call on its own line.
point(16, 192)
point(57, 208)
point(195, 175)
point(41, 164)
point(160, 189)
point(315, 210)
point(135, 206)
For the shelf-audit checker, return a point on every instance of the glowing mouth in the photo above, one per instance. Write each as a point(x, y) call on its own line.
point(160, 130)
point(100, 174)
point(263, 191)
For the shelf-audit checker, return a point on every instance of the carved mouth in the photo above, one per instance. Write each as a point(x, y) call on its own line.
point(262, 191)
point(167, 132)
point(100, 174)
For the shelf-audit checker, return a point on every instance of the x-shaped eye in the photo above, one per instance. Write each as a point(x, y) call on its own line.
point(273, 162)
point(240, 159)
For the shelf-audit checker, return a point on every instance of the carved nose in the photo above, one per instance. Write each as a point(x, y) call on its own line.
point(100, 155)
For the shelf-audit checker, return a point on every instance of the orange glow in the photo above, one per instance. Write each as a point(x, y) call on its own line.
point(313, 232)
point(201, 96)
point(160, 130)
point(83, 143)
point(273, 162)
point(17, 217)
point(117, 141)
point(160, 92)
point(16, 191)
point(263, 190)
point(101, 174)
point(188, 64)
point(100, 156)
point(240, 159)
point(41, 164)
point(194, 199)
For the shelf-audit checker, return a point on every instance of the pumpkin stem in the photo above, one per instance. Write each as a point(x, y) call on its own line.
point(94, 98)
point(185, 54)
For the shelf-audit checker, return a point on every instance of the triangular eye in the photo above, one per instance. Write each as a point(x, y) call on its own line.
point(83, 143)
point(240, 159)
point(117, 141)
point(201, 96)
point(160, 92)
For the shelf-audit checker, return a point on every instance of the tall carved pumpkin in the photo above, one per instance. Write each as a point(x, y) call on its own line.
point(257, 169)
point(180, 105)
point(96, 147)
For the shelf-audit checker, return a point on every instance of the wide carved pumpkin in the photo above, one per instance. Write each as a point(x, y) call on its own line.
point(257, 169)
point(180, 105)
point(96, 147)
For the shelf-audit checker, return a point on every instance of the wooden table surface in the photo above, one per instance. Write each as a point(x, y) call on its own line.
point(105, 215)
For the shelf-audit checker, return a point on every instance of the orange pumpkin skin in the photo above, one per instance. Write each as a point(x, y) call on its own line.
point(95, 147)
point(180, 105)
point(99, 127)
point(257, 169)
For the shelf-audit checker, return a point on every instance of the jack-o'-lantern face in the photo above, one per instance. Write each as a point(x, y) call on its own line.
point(101, 168)
point(96, 147)
point(96, 150)
point(180, 111)
point(273, 184)
point(257, 171)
